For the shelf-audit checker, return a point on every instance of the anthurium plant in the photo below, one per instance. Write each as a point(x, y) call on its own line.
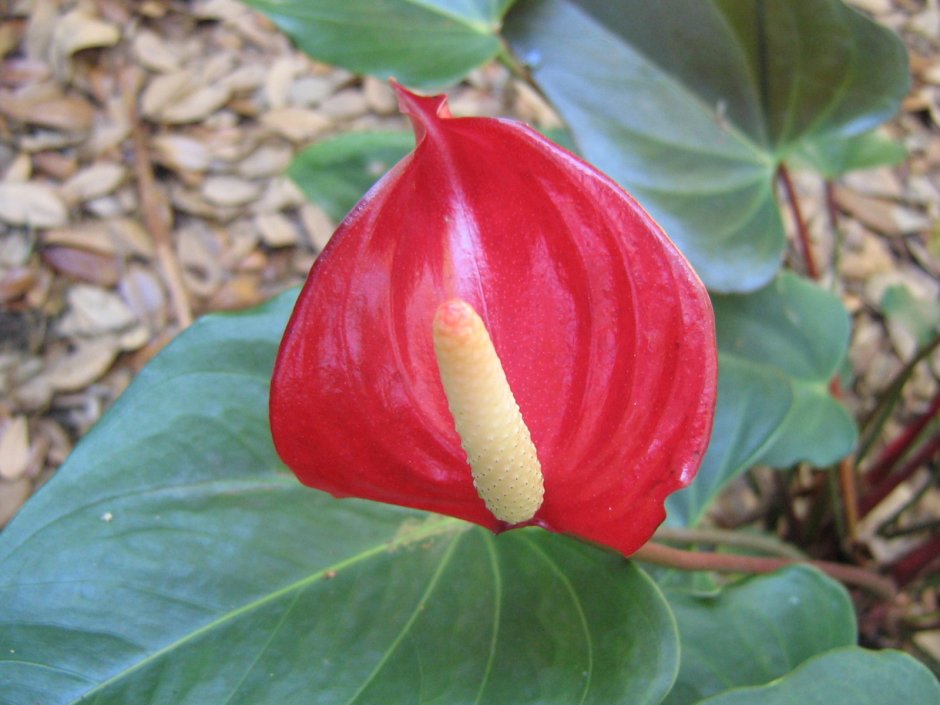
point(472, 460)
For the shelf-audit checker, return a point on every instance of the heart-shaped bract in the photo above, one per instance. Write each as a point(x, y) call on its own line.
point(605, 334)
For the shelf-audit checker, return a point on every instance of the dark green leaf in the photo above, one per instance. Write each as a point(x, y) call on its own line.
point(174, 560)
point(848, 675)
point(419, 42)
point(336, 172)
point(794, 327)
point(833, 157)
point(693, 104)
point(756, 630)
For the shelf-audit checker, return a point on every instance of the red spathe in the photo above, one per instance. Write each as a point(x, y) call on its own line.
point(604, 331)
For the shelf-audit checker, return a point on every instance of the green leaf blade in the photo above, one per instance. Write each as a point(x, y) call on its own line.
point(818, 430)
point(850, 675)
point(693, 105)
point(833, 156)
point(658, 138)
point(336, 172)
point(422, 43)
point(793, 327)
point(756, 630)
point(791, 324)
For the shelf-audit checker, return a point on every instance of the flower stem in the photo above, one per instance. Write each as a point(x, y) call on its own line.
point(669, 557)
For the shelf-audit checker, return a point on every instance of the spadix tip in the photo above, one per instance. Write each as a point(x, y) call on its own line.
point(454, 319)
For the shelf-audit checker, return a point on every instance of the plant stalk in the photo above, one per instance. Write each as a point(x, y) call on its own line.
point(723, 537)
point(900, 445)
point(912, 564)
point(848, 489)
point(875, 420)
point(801, 230)
point(669, 557)
point(926, 453)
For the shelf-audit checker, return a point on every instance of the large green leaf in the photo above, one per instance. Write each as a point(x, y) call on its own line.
point(850, 675)
point(336, 172)
point(419, 42)
point(794, 327)
point(693, 104)
point(756, 630)
point(174, 560)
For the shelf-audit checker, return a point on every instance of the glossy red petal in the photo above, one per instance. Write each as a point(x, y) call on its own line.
point(605, 333)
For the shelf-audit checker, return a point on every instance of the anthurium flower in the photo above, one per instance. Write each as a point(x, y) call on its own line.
point(498, 332)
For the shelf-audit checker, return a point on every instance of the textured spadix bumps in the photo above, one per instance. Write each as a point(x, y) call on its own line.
point(503, 460)
point(604, 334)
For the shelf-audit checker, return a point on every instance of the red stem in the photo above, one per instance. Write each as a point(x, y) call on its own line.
point(900, 445)
point(924, 455)
point(914, 563)
point(801, 229)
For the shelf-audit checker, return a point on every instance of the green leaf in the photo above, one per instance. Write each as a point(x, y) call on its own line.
point(753, 401)
point(693, 104)
point(818, 429)
point(756, 630)
point(419, 42)
point(848, 675)
point(336, 172)
point(174, 560)
point(795, 328)
point(834, 157)
point(921, 317)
